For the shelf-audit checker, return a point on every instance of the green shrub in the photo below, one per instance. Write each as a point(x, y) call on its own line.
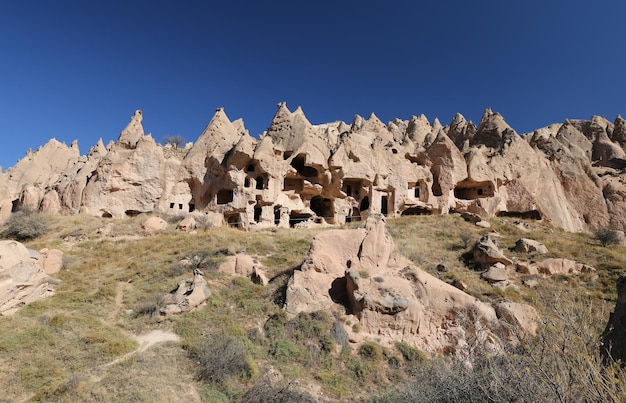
point(606, 236)
point(410, 353)
point(23, 226)
point(370, 350)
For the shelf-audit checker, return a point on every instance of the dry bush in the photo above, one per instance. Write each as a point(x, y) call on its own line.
point(606, 236)
point(23, 226)
point(561, 364)
point(221, 357)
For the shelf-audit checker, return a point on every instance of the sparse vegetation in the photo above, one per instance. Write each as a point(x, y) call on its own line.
point(242, 346)
point(606, 236)
point(23, 226)
point(175, 141)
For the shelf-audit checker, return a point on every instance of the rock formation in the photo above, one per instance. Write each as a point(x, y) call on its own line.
point(22, 278)
point(571, 174)
point(392, 299)
point(187, 295)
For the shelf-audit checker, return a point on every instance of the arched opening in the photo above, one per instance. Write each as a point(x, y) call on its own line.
point(384, 205)
point(365, 204)
point(257, 214)
point(306, 171)
point(233, 220)
point(338, 293)
point(106, 214)
point(296, 184)
point(526, 215)
point(246, 182)
point(260, 183)
point(323, 207)
point(416, 210)
point(224, 196)
point(192, 207)
point(250, 168)
point(297, 218)
point(473, 191)
point(276, 215)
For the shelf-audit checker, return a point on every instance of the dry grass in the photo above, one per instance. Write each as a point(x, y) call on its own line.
point(55, 349)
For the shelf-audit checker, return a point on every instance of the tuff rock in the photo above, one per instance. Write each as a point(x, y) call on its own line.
point(393, 300)
point(570, 175)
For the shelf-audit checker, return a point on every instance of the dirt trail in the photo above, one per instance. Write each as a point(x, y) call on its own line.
point(146, 341)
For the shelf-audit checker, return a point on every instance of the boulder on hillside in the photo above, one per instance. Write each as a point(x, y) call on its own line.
point(362, 271)
point(187, 295)
point(242, 265)
point(51, 260)
point(495, 273)
point(487, 253)
point(154, 224)
point(22, 278)
point(525, 245)
point(563, 266)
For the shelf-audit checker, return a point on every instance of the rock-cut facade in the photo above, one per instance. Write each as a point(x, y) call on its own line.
point(297, 173)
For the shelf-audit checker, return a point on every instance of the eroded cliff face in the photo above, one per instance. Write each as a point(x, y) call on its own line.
point(570, 174)
point(392, 299)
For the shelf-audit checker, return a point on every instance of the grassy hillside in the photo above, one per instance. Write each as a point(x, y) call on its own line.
point(242, 347)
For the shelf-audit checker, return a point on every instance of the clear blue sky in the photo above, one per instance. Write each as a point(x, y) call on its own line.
point(79, 69)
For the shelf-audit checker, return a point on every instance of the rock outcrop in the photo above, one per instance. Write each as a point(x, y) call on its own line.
point(187, 295)
point(392, 299)
point(571, 174)
point(22, 278)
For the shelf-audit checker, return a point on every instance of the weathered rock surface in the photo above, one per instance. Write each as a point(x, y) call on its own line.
point(526, 245)
point(563, 266)
point(51, 260)
point(22, 278)
point(154, 224)
point(487, 253)
point(392, 299)
point(571, 174)
point(242, 265)
point(186, 296)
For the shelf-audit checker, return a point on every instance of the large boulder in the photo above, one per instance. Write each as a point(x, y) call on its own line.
point(22, 278)
point(525, 245)
point(187, 295)
point(154, 224)
point(392, 299)
point(487, 253)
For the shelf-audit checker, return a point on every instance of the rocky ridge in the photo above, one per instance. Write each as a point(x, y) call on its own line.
point(570, 175)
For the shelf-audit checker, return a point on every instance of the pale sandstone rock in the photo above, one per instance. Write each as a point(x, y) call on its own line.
point(187, 295)
point(396, 301)
point(569, 175)
point(22, 279)
point(487, 253)
point(563, 266)
point(525, 245)
point(154, 224)
point(187, 224)
point(51, 260)
point(243, 265)
point(495, 273)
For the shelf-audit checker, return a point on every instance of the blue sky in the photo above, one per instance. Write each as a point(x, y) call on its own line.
point(79, 69)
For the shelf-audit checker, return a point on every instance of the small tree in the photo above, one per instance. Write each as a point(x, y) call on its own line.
point(175, 141)
point(606, 236)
